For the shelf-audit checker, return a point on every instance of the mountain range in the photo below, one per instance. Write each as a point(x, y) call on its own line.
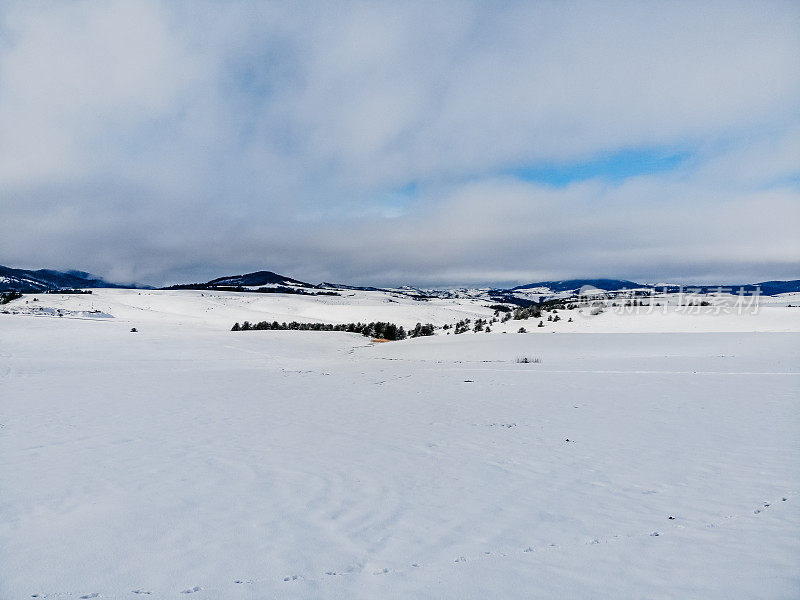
point(568, 285)
point(43, 280)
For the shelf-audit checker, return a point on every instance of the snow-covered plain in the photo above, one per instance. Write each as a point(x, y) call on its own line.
point(189, 459)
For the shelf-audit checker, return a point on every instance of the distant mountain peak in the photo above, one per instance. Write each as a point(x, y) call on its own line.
point(257, 278)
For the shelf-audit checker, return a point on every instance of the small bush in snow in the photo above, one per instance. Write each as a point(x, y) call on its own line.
point(527, 360)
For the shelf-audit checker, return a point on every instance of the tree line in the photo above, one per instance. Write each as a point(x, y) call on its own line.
point(376, 330)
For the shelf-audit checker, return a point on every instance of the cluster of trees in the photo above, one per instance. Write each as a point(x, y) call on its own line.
point(484, 325)
point(560, 304)
point(466, 325)
point(500, 308)
point(68, 291)
point(378, 330)
point(536, 310)
point(6, 297)
point(526, 313)
point(421, 330)
point(460, 327)
point(510, 299)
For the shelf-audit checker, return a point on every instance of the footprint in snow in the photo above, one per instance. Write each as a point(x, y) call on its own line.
point(196, 588)
point(460, 559)
point(291, 578)
point(415, 565)
point(528, 549)
point(141, 592)
point(383, 571)
point(94, 595)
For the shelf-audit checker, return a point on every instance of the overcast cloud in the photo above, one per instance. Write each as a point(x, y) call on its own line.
point(391, 143)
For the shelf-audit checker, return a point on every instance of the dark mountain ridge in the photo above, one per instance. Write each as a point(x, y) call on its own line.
point(42, 280)
point(610, 285)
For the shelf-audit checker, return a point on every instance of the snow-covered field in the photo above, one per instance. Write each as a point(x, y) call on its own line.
point(189, 459)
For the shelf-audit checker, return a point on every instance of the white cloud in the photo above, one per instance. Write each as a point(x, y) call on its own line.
point(154, 140)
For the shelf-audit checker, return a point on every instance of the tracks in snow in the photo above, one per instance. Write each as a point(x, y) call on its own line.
point(359, 569)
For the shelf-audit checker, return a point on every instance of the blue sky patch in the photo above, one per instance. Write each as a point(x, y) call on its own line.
point(614, 167)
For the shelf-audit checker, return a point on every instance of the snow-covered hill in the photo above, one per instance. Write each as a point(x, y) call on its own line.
point(221, 309)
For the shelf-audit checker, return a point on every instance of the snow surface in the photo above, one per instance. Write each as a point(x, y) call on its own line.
point(189, 459)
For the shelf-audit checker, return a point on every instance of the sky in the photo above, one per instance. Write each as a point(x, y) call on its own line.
point(427, 143)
